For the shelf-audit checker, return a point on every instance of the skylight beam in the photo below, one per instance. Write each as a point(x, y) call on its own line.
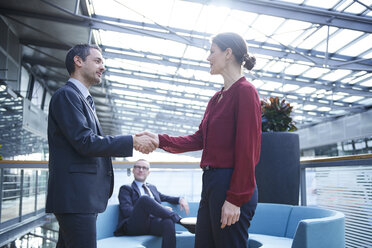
point(302, 13)
point(301, 54)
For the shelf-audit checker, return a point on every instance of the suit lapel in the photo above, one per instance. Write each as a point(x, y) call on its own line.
point(135, 187)
point(88, 105)
point(154, 192)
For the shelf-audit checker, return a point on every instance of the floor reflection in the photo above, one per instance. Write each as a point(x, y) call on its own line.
point(41, 237)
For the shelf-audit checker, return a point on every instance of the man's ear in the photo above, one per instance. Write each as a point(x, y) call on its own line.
point(78, 61)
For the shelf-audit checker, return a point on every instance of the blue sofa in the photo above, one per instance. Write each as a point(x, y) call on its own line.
point(273, 226)
point(277, 225)
point(106, 224)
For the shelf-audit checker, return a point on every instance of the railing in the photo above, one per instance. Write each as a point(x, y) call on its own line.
point(22, 197)
point(23, 186)
point(343, 184)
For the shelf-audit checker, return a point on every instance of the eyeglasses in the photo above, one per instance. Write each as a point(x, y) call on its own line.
point(141, 167)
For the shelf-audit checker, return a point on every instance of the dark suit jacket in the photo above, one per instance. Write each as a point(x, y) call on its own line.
point(128, 196)
point(80, 168)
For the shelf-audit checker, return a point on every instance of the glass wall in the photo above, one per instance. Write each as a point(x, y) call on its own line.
point(174, 182)
point(41, 189)
point(11, 192)
point(23, 193)
point(28, 191)
point(344, 186)
point(344, 148)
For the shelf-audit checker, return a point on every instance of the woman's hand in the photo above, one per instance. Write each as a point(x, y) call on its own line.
point(230, 214)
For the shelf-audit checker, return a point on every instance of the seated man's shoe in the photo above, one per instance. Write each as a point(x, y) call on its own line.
point(188, 223)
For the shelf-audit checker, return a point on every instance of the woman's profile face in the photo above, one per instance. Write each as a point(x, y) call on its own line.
point(217, 59)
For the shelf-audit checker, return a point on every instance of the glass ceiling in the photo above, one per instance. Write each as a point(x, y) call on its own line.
point(158, 76)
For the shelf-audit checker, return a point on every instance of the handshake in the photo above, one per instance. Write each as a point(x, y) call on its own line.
point(145, 142)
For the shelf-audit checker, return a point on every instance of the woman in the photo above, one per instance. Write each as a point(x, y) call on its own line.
point(230, 136)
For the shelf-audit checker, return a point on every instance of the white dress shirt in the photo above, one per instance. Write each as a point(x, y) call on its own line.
point(142, 190)
point(84, 90)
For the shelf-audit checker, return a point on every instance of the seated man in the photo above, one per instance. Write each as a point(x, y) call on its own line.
point(141, 211)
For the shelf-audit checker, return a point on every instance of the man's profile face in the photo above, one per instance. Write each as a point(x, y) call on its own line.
point(141, 170)
point(92, 68)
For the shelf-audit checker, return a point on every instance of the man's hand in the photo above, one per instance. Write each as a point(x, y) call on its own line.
point(184, 205)
point(230, 214)
point(152, 135)
point(169, 208)
point(144, 143)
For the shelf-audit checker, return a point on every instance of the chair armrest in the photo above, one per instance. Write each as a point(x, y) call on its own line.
point(327, 232)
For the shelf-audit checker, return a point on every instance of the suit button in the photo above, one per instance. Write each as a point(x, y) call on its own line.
point(109, 173)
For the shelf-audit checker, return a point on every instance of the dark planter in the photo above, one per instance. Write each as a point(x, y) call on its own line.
point(278, 171)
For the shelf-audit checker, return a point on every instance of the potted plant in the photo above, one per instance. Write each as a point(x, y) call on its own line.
point(278, 171)
point(276, 116)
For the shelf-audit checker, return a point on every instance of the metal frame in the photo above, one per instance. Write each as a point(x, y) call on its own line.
point(36, 188)
point(300, 13)
point(1, 191)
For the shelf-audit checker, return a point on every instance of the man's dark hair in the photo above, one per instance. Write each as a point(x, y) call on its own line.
point(81, 50)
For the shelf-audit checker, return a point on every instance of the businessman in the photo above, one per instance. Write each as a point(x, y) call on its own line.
point(80, 169)
point(141, 211)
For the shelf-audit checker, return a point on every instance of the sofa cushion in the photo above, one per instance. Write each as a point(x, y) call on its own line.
point(270, 219)
point(268, 241)
point(183, 239)
point(127, 241)
point(107, 221)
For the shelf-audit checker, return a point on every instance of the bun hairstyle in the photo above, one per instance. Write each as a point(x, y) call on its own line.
point(249, 61)
point(238, 47)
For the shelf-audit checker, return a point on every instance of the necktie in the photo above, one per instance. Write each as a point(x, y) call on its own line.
point(90, 100)
point(147, 191)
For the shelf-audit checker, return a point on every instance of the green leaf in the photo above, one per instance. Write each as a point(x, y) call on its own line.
point(277, 115)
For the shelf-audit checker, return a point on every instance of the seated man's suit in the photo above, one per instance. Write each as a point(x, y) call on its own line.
point(144, 214)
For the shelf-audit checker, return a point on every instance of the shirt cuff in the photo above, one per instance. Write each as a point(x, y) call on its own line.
point(162, 141)
point(237, 200)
